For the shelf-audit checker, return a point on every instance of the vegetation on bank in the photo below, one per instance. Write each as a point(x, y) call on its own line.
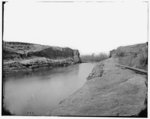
point(94, 58)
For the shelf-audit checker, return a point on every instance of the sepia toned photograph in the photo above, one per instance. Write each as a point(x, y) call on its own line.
point(75, 58)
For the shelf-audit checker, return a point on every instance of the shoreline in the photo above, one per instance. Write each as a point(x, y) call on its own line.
point(34, 64)
point(27, 57)
point(123, 94)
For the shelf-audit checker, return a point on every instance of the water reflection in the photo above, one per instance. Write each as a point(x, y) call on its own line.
point(39, 92)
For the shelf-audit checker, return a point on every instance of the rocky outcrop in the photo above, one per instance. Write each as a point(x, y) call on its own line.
point(76, 56)
point(97, 71)
point(28, 57)
point(133, 55)
point(115, 92)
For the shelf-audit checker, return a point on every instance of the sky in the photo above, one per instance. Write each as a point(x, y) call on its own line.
point(90, 27)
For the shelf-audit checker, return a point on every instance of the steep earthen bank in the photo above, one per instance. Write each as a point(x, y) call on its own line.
point(132, 55)
point(29, 57)
point(111, 90)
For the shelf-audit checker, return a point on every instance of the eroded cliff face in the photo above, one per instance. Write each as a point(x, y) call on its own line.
point(133, 55)
point(28, 57)
point(76, 56)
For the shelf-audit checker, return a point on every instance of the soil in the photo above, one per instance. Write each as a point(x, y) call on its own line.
point(116, 92)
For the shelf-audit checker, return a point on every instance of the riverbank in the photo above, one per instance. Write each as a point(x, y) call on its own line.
point(33, 64)
point(26, 57)
point(109, 91)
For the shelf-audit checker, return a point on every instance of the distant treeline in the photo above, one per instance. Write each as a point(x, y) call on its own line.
point(94, 58)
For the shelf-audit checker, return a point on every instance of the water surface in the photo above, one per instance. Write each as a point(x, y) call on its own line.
point(38, 93)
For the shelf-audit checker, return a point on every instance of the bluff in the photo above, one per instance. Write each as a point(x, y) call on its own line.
point(132, 55)
point(19, 56)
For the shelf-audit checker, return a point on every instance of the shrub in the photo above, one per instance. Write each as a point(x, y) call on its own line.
point(94, 58)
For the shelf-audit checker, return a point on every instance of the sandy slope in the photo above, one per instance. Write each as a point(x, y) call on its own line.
point(114, 92)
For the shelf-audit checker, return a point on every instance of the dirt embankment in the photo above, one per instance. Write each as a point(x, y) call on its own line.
point(29, 57)
point(109, 91)
point(132, 55)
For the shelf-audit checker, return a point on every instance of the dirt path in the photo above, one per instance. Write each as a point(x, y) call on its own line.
point(110, 91)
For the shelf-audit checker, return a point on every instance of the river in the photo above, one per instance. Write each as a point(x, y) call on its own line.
point(39, 92)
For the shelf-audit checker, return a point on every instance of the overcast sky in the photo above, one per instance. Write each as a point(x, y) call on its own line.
point(90, 27)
